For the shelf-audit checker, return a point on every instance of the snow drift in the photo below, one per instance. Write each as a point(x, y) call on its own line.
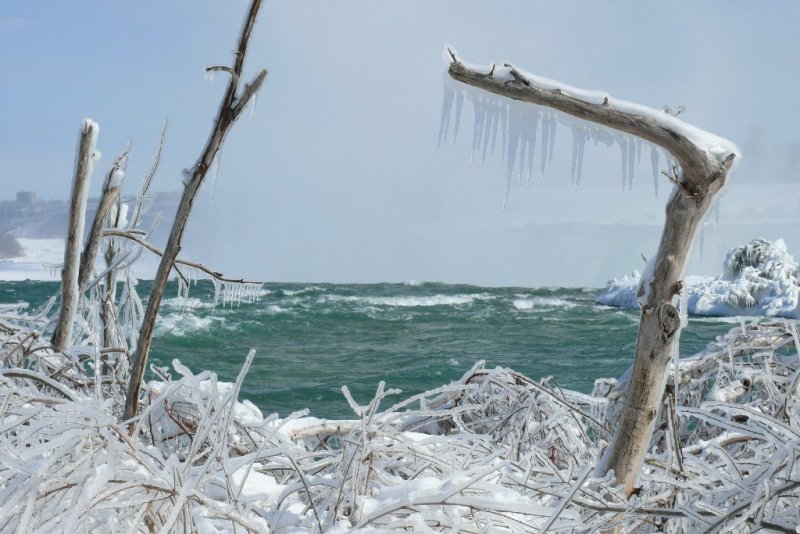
point(759, 278)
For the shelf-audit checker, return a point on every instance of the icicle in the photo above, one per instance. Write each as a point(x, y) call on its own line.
point(490, 129)
point(230, 293)
point(253, 107)
point(545, 145)
point(552, 137)
point(716, 216)
point(459, 108)
point(602, 135)
point(504, 119)
point(581, 150)
point(654, 163)
point(513, 143)
point(534, 128)
point(623, 147)
point(575, 143)
point(500, 110)
point(514, 140)
point(479, 109)
point(631, 156)
point(447, 108)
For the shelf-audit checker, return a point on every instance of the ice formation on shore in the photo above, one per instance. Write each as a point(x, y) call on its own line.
point(759, 278)
point(492, 452)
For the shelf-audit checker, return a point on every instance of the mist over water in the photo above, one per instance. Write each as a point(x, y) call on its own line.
point(311, 339)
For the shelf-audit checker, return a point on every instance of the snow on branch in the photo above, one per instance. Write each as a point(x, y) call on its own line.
point(698, 152)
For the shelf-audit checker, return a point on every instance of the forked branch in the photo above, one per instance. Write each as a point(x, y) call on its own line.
point(233, 103)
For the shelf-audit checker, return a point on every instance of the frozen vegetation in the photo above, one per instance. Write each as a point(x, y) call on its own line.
point(759, 278)
point(494, 451)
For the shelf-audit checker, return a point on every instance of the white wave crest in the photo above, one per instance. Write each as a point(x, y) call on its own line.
point(525, 304)
point(182, 324)
point(411, 302)
point(187, 303)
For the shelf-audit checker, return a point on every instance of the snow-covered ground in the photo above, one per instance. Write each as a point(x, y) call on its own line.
point(759, 278)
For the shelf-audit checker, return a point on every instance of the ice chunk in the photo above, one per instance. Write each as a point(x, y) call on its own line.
point(759, 278)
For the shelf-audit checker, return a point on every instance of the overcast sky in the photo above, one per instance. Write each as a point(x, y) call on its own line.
point(337, 176)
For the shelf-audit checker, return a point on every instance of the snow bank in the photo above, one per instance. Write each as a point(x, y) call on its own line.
point(759, 278)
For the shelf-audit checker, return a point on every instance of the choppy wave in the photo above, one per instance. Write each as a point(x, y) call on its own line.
point(186, 303)
point(409, 301)
point(531, 303)
point(183, 324)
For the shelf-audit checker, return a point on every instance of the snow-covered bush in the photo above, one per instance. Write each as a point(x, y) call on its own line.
point(494, 451)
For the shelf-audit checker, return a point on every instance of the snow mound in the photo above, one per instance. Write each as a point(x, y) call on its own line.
point(759, 278)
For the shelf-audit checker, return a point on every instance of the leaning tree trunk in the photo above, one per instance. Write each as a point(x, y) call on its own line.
point(704, 162)
point(233, 103)
point(108, 197)
point(70, 294)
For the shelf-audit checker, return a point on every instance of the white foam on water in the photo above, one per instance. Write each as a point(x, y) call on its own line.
point(187, 303)
point(183, 324)
point(525, 304)
point(410, 302)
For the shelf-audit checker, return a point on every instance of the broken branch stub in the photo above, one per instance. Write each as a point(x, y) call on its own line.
point(84, 165)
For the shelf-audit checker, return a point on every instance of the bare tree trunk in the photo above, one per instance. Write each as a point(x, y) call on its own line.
point(72, 251)
point(702, 174)
point(233, 103)
point(111, 189)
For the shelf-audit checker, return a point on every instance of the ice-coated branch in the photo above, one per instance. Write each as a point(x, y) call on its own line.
point(233, 102)
point(704, 161)
point(148, 180)
point(84, 165)
point(216, 275)
point(111, 189)
point(699, 153)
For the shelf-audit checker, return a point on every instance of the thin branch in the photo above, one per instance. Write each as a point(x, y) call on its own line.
point(155, 250)
point(229, 109)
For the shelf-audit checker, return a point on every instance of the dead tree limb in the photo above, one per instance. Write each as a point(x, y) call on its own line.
point(70, 295)
point(704, 160)
point(233, 102)
point(109, 195)
point(158, 252)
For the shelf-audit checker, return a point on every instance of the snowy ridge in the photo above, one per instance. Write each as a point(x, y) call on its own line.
point(759, 278)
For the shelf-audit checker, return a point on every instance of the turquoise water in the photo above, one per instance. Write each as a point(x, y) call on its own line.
point(313, 338)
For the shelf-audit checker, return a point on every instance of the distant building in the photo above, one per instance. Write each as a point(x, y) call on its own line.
point(26, 198)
